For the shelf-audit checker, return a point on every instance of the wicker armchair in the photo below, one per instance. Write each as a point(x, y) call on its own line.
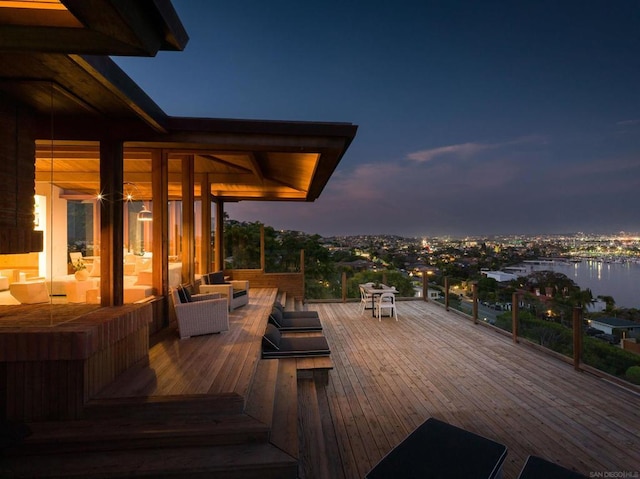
point(204, 314)
point(236, 292)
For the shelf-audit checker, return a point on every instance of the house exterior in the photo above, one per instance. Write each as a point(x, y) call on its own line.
point(617, 326)
point(78, 132)
point(500, 276)
point(92, 165)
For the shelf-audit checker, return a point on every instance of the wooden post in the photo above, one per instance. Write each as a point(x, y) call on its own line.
point(577, 338)
point(188, 216)
point(205, 220)
point(446, 293)
point(160, 226)
point(425, 286)
point(344, 286)
point(111, 223)
point(302, 273)
point(263, 253)
point(474, 289)
point(219, 236)
point(514, 316)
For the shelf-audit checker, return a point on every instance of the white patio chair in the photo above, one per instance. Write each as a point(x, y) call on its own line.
point(386, 301)
point(365, 298)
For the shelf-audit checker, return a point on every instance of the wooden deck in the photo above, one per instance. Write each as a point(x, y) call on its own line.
point(210, 364)
point(388, 377)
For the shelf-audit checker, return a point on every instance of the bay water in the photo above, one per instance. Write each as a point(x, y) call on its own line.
point(620, 280)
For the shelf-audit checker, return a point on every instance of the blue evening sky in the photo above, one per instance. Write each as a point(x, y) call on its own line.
point(475, 116)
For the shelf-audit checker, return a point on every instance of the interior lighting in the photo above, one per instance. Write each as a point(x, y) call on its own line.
point(145, 214)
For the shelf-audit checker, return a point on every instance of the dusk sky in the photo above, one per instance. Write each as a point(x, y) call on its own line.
point(474, 117)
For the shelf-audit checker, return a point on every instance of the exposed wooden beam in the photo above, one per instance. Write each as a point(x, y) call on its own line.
point(255, 165)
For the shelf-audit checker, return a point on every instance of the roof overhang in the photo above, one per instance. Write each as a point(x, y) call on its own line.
point(81, 99)
point(240, 160)
point(100, 27)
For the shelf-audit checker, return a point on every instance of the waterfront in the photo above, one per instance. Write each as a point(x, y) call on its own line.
point(621, 280)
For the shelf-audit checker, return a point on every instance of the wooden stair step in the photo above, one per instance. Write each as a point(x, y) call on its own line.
point(284, 425)
point(195, 405)
point(313, 454)
point(123, 433)
point(261, 396)
point(246, 461)
point(282, 298)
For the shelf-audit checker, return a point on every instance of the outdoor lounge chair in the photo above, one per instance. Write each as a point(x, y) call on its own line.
point(539, 468)
point(274, 346)
point(438, 449)
point(295, 314)
point(298, 324)
point(199, 313)
point(236, 292)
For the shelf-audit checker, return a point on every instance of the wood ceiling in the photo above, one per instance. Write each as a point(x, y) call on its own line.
point(74, 167)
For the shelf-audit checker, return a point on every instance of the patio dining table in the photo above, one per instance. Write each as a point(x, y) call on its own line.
point(374, 292)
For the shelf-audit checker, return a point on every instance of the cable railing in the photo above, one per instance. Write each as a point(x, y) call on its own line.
point(566, 335)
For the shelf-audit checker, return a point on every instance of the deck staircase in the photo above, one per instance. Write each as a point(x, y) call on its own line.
point(276, 431)
point(159, 437)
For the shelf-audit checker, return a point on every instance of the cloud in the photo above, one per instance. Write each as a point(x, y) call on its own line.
point(463, 150)
point(628, 122)
point(468, 150)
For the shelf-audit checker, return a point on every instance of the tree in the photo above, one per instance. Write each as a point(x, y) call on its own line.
point(609, 301)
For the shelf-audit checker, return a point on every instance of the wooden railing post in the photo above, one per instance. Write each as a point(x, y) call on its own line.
point(577, 338)
point(263, 253)
point(425, 286)
point(302, 274)
point(344, 286)
point(446, 293)
point(474, 289)
point(515, 305)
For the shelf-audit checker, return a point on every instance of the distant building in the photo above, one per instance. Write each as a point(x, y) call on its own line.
point(434, 294)
point(500, 276)
point(623, 327)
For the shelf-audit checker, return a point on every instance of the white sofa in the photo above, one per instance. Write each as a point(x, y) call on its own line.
point(30, 292)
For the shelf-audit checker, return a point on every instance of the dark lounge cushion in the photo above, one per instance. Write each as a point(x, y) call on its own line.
point(300, 314)
point(295, 314)
point(276, 317)
point(216, 278)
point(271, 339)
point(187, 295)
point(292, 347)
point(438, 449)
point(182, 295)
point(299, 324)
point(239, 292)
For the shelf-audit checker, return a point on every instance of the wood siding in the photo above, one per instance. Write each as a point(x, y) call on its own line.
point(290, 283)
point(50, 368)
point(17, 180)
